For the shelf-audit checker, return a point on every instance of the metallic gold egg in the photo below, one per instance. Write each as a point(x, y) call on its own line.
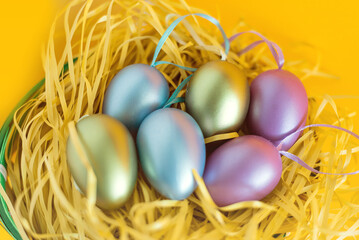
point(111, 152)
point(218, 97)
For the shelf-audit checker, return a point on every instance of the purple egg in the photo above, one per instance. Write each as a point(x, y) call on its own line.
point(243, 169)
point(278, 107)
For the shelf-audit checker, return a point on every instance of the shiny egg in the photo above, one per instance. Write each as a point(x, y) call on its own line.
point(170, 144)
point(243, 169)
point(110, 149)
point(278, 107)
point(134, 92)
point(218, 97)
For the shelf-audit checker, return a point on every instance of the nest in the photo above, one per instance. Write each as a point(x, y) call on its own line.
point(101, 39)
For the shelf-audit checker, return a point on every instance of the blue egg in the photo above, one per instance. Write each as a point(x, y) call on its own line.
point(134, 92)
point(170, 144)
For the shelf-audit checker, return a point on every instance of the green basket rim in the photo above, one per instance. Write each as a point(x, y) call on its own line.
point(5, 216)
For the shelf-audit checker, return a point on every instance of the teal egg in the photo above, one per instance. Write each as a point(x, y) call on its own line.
point(170, 144)
point(134, 92)
point(110, 149)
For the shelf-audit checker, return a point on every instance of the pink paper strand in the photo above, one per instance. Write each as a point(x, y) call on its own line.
point(301, 162)
point(279, 58)
point(273, 47)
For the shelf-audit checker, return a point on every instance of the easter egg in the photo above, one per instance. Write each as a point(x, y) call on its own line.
point(278, 107)
point(170, 144)
point(218, 97)
point(243, 169)
point(134, 92)
point(110, 150)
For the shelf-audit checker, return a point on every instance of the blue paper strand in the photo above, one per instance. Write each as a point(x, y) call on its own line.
point(182, 67)
point(169, 30)
point(176, 100)
point(178, 89)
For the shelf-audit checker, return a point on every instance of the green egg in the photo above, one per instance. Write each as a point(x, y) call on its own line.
point(111, 152)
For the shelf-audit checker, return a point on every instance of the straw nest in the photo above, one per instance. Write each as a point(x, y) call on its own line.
point(107, 36)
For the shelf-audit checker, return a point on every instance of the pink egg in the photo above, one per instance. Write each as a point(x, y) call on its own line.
point(245, 168)
point(278, 107)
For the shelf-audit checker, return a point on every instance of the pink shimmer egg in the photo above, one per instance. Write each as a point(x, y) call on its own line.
point(278, 107)
point(245, 168)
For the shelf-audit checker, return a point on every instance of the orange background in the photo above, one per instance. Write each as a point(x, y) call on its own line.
point(330, 26)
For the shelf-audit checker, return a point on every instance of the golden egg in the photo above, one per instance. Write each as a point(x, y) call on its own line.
point(110, 150)
point(218, 97)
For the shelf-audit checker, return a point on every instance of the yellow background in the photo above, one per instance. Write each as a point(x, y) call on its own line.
point(329, 25)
